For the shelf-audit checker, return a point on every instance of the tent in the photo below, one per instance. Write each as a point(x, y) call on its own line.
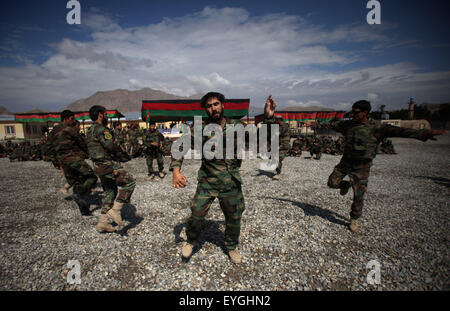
point(186, 109)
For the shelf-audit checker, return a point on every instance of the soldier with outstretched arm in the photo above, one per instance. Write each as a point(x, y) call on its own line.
point(217, 178)
point(361, 138)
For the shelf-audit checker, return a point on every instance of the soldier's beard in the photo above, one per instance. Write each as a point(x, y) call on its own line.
point(216, 116)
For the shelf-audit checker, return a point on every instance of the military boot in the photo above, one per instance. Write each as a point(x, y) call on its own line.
point(82, 202)
point(353, 225)
point(186, 250)
point(65, 189)
point(150, 177)
point(104, 225)
point(161, 175)
point(235, 256)
point(276, 177)
point(114, 213)
point(345, 186)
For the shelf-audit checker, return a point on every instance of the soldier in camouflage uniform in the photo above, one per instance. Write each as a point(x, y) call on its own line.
point(70, 151)
point(217, 178)
point(3, 152)
point(133, 140)
point(117, 182)
point(119, 137)
point(284, 140)
point(167, 146)
point(316, 148)
point(153, 150)
point(361, 138)
point(296, 149)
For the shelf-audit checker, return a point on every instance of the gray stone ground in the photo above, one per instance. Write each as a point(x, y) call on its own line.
point(294, 234)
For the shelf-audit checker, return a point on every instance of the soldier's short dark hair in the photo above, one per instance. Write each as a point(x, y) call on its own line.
point(116, 124)
point(210, 95)
point(152, 123)
point(66, 114)
point(362, 105)
point(95, 111)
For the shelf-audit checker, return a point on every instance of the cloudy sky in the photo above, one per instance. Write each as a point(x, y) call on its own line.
point(303, 52)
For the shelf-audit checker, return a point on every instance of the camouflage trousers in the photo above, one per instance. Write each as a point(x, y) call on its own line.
point(280, 163)
point(117, 183)
point(158, 156)
point(80, 176)
point(358, 172)
point(317, 152)
point(232, 205)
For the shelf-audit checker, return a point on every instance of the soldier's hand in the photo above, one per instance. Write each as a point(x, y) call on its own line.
point(270, 106)
point(432, 133)
point(154, 144)
point(179, 180)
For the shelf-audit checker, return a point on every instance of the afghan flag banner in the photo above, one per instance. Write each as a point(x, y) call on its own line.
point(84, 115)
point(328, 116)
point(305, 116)
point(184, 109)
point(37, 117)
point(56, 116)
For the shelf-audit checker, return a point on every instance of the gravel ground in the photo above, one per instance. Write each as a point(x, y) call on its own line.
point(293, 237)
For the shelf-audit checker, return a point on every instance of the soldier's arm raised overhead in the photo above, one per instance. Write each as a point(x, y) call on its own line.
point(269, 108)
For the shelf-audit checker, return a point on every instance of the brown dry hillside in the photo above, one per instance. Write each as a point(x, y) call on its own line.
point(123, 100)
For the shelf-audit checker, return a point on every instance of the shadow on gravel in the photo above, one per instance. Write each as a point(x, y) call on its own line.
point(438, 180)
point(129, 214)
point(265, 173)
point(211, 233)
point(312, 210)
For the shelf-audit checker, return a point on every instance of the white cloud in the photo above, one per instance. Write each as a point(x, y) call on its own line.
point(227, 50)
point(372, 97)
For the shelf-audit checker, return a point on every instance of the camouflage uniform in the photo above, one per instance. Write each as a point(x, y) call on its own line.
point(217, 179)
point(133, 141)
point(296, 149)
point(316, 148)
point(167, 146)
point(120, 138)
point(153, 152)
point(284, 140)
point(104, 153)
point(360, 145)
point(49, 151)
point(70, 150)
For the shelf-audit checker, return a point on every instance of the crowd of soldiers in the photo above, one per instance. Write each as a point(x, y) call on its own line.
point(130, 138)
point(217, 177)
point(317, 145)
point(23, 151)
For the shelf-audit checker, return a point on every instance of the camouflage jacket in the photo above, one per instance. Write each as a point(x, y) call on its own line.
point(221, 174)
point(285, 136)
point(69, 146)
point(101, 145)
point(119, 137)
point(50, 153)
point(361, 140)
point(133, 136)
point(153, 137)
